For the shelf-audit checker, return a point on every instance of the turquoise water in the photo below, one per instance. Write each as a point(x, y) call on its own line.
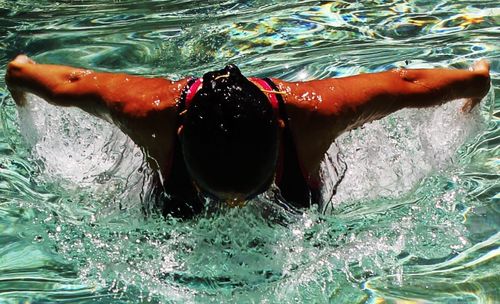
point(415, 220)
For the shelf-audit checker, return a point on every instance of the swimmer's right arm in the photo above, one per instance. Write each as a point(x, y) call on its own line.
point(95, 92)
point(144, 108)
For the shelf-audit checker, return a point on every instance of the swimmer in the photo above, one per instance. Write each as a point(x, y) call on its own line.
point(230, 137)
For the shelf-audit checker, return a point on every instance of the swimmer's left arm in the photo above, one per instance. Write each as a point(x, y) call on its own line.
point(355, 100)
point(321, 110)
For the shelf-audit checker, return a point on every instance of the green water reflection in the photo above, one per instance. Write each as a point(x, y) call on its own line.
point(416, 219)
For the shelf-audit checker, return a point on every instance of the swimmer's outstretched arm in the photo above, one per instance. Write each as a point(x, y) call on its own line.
point(320, 110)
point(144, 108)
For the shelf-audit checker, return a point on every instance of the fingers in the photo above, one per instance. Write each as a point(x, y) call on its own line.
point(481, 69)
point(481, 65)
point(13, 77)
point(23, 59)
point(19, 97)
point(469, 104)
point(18, 62)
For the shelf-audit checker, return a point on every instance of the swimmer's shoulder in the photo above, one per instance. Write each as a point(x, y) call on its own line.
point(146, 97)
point(312, 119)
point(309, 98)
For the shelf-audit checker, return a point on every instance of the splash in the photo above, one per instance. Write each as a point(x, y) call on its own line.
point(411, 212)
point(282, 253)
point(78, 151)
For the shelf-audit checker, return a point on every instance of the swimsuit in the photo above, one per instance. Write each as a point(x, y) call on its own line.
point(295, 184)
point(180, 198)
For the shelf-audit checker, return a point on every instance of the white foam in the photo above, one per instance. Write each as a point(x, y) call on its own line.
point(390, 156)
point(79, 150)
point(384, 158)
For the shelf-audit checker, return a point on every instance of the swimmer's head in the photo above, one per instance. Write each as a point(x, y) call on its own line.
point(230, 137)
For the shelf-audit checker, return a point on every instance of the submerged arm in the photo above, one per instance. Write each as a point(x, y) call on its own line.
point(144, 108)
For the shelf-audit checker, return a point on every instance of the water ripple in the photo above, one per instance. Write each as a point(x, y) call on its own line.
point(416, 218)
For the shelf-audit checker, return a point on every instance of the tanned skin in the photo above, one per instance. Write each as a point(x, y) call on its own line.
point(319, 110)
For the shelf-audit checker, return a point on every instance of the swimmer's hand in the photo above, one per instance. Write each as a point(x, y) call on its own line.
point(22, 59)
point(482, 68)
point(14, 71)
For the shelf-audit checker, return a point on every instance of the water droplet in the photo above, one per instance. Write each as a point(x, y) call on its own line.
point(302, 75)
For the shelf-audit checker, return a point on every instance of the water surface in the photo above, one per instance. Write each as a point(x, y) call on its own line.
point(415, 219)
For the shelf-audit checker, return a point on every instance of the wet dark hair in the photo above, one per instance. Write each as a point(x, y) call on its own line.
point(230, 135)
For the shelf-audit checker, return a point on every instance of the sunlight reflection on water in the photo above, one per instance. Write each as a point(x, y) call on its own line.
point(414, 219)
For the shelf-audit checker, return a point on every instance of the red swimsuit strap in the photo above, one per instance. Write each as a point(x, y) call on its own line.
point(263, 85)
point(314, 182)
point(192, 90)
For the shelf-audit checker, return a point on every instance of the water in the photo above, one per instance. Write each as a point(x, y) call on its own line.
point(415, 219)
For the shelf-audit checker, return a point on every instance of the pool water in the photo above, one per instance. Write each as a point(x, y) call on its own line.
point(415, 219)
